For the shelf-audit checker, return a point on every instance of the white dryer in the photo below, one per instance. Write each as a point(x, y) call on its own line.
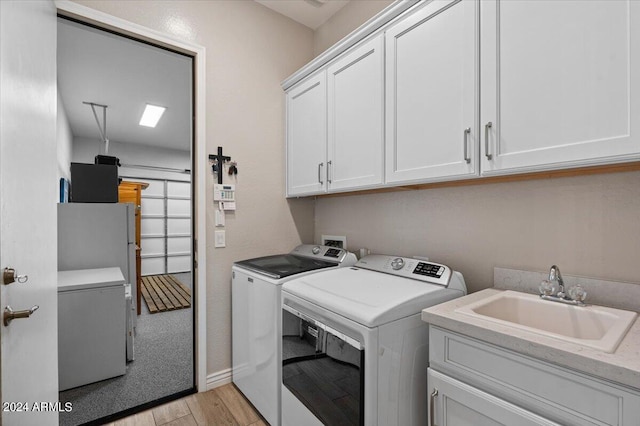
point(255, 300)
point(354, 348)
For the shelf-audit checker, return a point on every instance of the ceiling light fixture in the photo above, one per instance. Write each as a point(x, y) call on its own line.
point(151, 115)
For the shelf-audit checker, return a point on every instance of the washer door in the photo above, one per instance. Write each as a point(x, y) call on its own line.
point(323, 369)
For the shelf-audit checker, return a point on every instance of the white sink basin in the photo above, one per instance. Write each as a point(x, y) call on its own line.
point(593, 326)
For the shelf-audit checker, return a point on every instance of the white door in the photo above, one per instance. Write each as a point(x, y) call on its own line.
point(560, 84)
point(458, 404)
point(307, 136)
point(355, 84)
point(431, 94)
point(28, 193)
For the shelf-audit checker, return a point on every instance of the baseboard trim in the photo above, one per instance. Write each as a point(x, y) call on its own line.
point(218, 378)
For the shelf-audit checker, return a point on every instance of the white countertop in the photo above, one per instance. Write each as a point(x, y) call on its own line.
point(621, 366)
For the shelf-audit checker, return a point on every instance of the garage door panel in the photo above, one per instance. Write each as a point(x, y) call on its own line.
point(179, 245)
point(151, 226)
point(155, 188)
point(179, 189)
point(153, 266)
point(178, 207)
point(152, 206)
point(153, 246)
point(178, 264)
point(179, 226)
point(166, 227)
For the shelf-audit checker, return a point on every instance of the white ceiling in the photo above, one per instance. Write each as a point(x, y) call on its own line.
point(311, 13)
point(96, 66)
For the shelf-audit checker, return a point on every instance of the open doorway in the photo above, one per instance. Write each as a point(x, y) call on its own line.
point(98, 69)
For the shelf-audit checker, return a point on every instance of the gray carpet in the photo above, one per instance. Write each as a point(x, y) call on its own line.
point(163, 366)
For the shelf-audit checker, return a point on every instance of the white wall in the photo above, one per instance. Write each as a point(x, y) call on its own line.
point(250, 50)
point(85, 150)
point(64, 140)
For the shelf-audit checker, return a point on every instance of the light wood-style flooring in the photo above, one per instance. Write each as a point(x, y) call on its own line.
point(224, 405)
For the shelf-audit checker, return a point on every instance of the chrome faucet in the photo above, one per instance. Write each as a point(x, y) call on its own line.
point(555, 275)
point(574, 296)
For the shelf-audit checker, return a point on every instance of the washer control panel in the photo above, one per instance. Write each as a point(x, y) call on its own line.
point(431, 272)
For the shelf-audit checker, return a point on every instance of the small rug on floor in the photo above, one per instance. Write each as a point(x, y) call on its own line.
point(165, 293)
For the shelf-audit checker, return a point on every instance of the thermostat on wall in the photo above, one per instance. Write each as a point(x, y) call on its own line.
point(338, 241)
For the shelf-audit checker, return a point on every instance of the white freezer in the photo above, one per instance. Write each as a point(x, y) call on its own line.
point(91, 326)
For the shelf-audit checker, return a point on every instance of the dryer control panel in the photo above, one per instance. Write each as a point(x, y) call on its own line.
point(431, 272)
point(331, 254)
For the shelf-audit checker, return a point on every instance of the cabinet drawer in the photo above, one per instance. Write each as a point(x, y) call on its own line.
point(562, 395)
point(458, 404)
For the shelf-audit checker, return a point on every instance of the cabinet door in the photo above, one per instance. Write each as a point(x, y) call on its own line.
point(307, 137)
point(431, 93)
point(560, 84)
point(355, 117)
point(458, 404)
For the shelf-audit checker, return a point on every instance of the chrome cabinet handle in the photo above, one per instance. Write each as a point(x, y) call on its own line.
point(466, 147)
point(9, 314)
point(486, 139)
point(329, 170)
point(320, 166)
point(432, 408)
point(9, 276)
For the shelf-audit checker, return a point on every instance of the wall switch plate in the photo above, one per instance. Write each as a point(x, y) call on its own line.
point(219, 218)
point(220, 239)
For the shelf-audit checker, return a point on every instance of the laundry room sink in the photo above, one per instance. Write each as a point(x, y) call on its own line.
point(593, 326)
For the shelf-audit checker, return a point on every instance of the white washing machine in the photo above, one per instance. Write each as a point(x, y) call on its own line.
point(354, 348)
point(256, 318)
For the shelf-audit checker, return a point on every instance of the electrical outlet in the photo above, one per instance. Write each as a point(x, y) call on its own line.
point(220, 239)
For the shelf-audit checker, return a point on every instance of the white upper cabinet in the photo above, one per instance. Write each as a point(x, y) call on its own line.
point(458, 89)
point(560, 84)
point(307, 137)
point(432, 94)
point(355, 84)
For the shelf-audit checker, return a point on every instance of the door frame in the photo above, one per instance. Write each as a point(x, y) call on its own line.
point(103, 20)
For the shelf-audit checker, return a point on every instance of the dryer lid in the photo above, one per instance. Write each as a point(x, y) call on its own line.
point(368, 297)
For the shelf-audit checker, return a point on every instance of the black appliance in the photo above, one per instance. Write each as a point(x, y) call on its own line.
point(94, 183)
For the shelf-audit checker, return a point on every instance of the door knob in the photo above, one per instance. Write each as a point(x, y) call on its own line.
point(9, 276)
point(9, 314)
